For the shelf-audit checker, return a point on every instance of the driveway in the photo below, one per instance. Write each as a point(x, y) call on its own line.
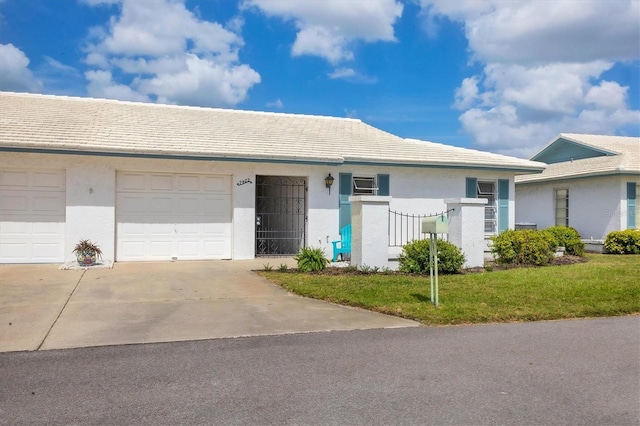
point(42, 307)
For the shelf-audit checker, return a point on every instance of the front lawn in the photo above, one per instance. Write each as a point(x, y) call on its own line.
point(606, 285)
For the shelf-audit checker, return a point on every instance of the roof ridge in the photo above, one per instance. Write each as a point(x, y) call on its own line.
point(185, 107)
point(597, 135)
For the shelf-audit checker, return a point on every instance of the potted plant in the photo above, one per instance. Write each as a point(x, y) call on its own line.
point(87, 252)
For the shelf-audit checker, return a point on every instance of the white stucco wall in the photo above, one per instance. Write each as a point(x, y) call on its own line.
point(91, 186)
point(369, 246)
point(466, 229)
point(90, 206)
point(597, 205)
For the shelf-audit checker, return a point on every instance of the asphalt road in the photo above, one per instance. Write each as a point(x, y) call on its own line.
point(583, 372)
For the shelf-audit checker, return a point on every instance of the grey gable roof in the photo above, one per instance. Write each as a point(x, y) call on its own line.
point(601, 155)
point(46, 123)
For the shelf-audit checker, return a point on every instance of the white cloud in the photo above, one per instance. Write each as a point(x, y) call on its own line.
point(342, 73)
point(327, 28)
point(351, 75)
point(160, 49)
point(276, 104)
point(467, 94)
point(609, 95)
point(321, 41)
point(543, 66)
point(202, 82)
point(101, 85)
point(524, 31)
point(15, 74)
point(59, 66)
point(99, 2)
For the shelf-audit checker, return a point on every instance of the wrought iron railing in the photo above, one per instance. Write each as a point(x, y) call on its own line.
point(406, 227)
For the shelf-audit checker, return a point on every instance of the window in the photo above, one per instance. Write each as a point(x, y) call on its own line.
point(633, 206)
point(358, 185)
point(364, 185)
point(562, 207)
point(487, 190)
point(496, 213)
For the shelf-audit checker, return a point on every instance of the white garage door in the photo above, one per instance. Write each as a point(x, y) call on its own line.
point(163, 216)
point(32, 216)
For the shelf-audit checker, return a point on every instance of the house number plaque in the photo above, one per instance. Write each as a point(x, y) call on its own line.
point(243, 181)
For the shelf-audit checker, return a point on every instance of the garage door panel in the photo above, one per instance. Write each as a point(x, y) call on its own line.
point(13, 229)
point(218, 184)
point(215, 249)
point(131, 182)
point(219, 230)
point(187, 230)
point(48, 180)
point(131, 204)
point(14, 179)
point(174, 216)
point(189, 249)
point(161, 182)
point(47, 229)
point(161, 249)
point(189, 183)
point(14, 251)
point(188, 205)
point(15, 203)
point(44, 252)
point(132, 250)
point(47, 203)
point(219, 206)
point(160, 229)
point(160, 205)
point(131, 230)
point(33, 203)
point(32, 216)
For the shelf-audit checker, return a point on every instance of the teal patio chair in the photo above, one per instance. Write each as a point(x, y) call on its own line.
point(345, 244)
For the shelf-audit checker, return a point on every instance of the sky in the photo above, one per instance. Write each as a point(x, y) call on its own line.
point(500, 76)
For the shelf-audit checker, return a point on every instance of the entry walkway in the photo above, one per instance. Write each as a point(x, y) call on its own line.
point(42, 307)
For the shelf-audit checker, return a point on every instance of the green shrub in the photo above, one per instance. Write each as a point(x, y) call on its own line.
point(311, 259)
point(415, 257)
point(568, 238)
point(623, 242)
point(524, 247)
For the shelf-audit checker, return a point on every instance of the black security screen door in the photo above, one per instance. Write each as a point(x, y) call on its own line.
point(280, 215)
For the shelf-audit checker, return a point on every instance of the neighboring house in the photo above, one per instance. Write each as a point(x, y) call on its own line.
point(591, 183)
point(160, 182)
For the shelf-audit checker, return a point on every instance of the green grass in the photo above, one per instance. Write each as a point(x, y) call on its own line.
point(607, 285)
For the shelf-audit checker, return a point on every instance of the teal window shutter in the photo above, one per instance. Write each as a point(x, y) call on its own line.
point(472, 188)
point(383, 184)
point(345, 183)
point(503, 204)
point(632, 199)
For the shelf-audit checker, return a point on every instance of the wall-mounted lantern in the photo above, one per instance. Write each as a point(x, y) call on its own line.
point(328, 181)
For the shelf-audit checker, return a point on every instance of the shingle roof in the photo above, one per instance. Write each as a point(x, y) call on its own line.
point(84, 125)
point(623, 157)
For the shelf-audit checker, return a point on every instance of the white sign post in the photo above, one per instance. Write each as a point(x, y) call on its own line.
point(434, 225)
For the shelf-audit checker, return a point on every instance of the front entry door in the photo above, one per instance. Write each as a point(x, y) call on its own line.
point(280, 215)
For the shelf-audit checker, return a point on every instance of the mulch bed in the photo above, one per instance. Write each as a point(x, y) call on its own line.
point(489, 266)
point(557, 261)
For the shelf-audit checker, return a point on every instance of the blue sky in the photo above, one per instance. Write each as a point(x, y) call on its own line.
point(500, 76)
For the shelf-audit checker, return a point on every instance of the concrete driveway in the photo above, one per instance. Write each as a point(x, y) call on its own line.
point(42, 307)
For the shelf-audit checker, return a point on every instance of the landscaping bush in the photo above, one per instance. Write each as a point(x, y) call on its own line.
point(524, 247)
point(311, 259)
point(415, 257)
point(623, 242)
point(568, 238)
